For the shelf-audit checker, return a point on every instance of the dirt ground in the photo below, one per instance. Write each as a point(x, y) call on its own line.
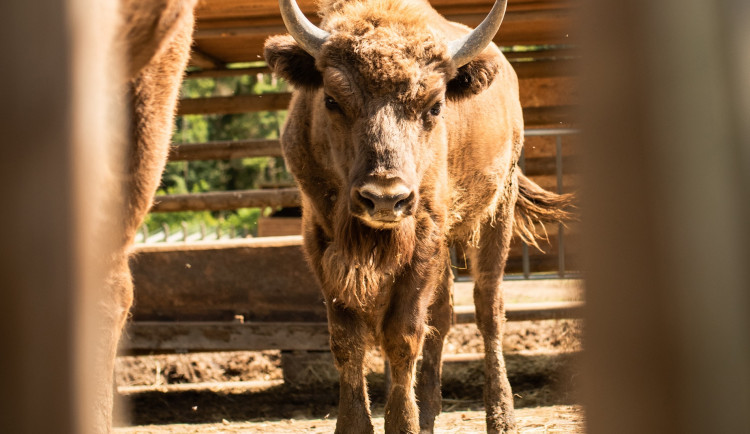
point(236, 392)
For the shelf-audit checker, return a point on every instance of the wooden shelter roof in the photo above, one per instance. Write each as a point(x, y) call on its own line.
point(229, 31)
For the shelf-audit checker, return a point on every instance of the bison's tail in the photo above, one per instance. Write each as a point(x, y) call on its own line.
point(536, 205)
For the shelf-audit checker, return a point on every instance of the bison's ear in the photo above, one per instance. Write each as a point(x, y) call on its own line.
point(473, 77)
point(291, 62)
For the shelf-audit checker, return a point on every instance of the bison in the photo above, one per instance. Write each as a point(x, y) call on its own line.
point(404, 134)
point(155, 37)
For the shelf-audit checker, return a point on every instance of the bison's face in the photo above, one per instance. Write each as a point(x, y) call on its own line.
point(378, 86)
point(382, 139)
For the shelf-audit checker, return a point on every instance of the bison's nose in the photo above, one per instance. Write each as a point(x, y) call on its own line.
point(384, 203)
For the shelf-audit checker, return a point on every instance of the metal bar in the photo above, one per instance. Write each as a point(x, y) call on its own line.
point(551, 131)
point(560, 227)
point(525, 250)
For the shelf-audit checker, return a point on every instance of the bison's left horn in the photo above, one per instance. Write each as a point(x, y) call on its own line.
point(464, 49)
point(307, 35)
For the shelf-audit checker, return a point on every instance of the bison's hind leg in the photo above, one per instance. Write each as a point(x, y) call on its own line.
point(428, 384)
point(488, 261)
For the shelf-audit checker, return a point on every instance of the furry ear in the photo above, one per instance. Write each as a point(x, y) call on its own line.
point(473, 77)
point(292, 63)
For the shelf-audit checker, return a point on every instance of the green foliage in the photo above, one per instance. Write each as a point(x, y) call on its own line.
point(222, 175)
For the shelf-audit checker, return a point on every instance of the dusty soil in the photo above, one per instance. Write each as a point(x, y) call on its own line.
point(560, 419)
point(244, 391)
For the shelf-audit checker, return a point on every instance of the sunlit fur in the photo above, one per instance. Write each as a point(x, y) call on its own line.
point(155, 38)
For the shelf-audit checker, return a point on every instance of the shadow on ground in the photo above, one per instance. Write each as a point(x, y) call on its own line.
point(537, 380)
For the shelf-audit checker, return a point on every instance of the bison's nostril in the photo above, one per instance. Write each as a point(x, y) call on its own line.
point(404, 203)
point(368, 204)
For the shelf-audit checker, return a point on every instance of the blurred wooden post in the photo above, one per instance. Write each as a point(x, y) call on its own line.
point(52, 177)
point(666, 215)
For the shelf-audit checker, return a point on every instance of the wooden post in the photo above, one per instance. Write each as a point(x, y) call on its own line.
point(55, 122)
point(666, 212)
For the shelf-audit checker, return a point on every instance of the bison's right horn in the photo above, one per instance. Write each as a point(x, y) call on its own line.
point(464, 49)
point(307, 35)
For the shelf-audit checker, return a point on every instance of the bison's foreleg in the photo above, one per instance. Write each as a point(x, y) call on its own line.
point(403, 332)
point(348, 337)
point(428, 385)
point(488, 261)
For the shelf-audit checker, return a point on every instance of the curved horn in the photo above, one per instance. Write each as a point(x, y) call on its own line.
point(462, 50)
point(307, 35)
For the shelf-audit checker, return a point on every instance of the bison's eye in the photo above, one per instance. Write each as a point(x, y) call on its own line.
point(435, 110)
point(331, 103)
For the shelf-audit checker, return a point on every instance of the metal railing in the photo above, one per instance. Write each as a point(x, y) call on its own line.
point(526, 273)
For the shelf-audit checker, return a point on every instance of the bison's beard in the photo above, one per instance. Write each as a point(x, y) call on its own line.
point(361, 259)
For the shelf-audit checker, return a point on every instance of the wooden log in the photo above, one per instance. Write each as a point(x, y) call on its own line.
point(203, 60)
point(224, 336)
point(234, 104)
point(226, 72)
point(225, 150)
point(526, 311)
point(164, 336)
point(225, 200)
point(261, 279)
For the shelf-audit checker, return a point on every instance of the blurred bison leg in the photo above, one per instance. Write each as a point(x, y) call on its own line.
point(153, 96)
point(428, 384)
point(488, 262)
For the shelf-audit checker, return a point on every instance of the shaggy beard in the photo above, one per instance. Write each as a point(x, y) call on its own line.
point(361, 259)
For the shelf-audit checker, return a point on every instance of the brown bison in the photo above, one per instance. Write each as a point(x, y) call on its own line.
point(155, 36)
point(404, 134)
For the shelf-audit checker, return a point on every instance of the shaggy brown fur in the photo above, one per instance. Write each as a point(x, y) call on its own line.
point(383, 108)
point(157, 36)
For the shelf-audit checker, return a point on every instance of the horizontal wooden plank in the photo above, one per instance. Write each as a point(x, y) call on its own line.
point(225, 200)
point(213, 72)
point(234, 104)
point(153, 336)
point(261, 279)
point(225, 150)
point(224, 336)
point(236, 33)
point(526, 311)
point(212, 10)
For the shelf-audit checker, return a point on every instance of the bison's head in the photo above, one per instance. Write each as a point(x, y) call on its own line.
point(380, 75)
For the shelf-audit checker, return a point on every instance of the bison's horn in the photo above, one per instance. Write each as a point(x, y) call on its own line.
point(307, 35)
point(464, 49)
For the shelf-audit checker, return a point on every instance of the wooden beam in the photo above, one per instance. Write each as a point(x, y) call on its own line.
point(225, 150)
point(202, 60)
point(225, 200)
point(310, 336)
point(526, 311)
point(224, 336)
point(234, 104)
point(545, 68)
point(227, 72)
